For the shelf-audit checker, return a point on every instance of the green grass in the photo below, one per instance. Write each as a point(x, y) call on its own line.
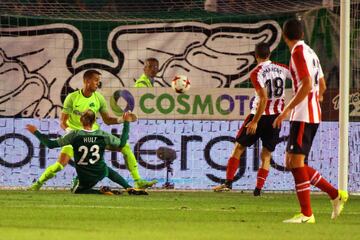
point(168, 215)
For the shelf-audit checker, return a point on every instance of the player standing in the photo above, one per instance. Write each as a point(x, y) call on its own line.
point(268, 79)
point(308, 86)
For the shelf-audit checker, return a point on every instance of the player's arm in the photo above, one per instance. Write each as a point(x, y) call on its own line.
point(322, 88)
point(120, 143)
point(112, 120)
point(322, 83)
point(114, 142)
point(107, 119)
point(65, 113)
point(304, 90)
point(260, 90)
point(306, 81)
point(252, 125)
point(63, 119)
point(43, 138)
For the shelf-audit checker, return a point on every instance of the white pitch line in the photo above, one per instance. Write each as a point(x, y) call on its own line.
point(230, 209)
point(122, 207)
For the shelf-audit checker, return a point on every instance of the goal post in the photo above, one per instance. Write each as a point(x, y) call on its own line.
point(344, 94)
point(45, 48)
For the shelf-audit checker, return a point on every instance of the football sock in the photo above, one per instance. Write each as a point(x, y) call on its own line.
point(50, 172)
point(320, 182)
point(131, 162)
point(302, 186)
point(115, 177)
point(261, 177)
point(231, 168)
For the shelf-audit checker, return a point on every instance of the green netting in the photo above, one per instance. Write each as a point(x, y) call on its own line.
point(150, 9)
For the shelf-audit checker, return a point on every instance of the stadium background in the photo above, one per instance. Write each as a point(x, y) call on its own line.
point(44, 53)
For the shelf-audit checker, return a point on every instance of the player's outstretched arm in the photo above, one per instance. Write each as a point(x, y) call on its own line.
point(114, 142)
point(109, 120)
point(43, 138)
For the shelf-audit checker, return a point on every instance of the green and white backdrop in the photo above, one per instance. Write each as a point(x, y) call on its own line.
point(43, 59)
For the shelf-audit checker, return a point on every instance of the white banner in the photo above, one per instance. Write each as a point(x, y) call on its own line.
point(202, 148)
point(199, 104)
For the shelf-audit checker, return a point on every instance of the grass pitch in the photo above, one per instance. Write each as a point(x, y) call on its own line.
point(169, 215)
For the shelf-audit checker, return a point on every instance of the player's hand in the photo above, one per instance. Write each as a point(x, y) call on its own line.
point(277, 122)
point(129, 116)
point(251, 128)
point(31, 128)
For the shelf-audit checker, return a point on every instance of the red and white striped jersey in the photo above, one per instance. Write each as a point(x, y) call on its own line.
point(271, 76)
point(304, 62)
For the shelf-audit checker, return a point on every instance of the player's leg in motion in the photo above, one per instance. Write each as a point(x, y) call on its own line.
point(232, 166)
point(115, 177)
point(263, 171)
point(132, 165)
point(270, 138)
point(338, 197)
point(295, 162)
point(50, 172)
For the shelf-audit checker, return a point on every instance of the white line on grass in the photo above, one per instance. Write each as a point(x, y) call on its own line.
point(230, 209)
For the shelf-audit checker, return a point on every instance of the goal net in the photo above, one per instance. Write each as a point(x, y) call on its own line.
point(46, 46)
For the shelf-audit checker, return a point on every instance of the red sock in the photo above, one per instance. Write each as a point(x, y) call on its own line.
point(302, 186)
point(320, 182)
point(232, 166)
point(261, 177)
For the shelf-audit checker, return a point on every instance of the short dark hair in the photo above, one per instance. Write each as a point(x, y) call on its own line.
point(293, 29)
point(262, 50)
point(151, 59)
point(88, 117)
point(89, 73)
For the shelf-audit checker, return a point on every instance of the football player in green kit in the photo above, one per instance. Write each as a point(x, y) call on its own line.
point(74, 105)
point(89, 146)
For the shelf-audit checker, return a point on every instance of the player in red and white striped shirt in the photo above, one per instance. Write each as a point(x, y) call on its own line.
point(309, 86)
point(268, 79)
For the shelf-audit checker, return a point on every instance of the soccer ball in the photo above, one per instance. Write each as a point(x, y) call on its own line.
point(180, 84)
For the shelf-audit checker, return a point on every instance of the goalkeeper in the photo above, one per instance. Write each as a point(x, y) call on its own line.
point(89, 146)
point(74, 105)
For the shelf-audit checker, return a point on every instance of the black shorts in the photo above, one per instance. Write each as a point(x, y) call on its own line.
point(265, 131)
point(301, 137)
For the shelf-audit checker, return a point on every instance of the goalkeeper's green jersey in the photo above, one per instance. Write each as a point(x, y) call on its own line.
point(76, 103)
point(89, 147)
